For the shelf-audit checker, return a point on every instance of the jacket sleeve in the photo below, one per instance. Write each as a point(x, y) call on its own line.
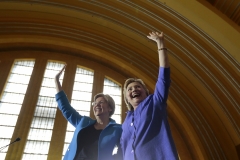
point(67, 110)
point(162, 86)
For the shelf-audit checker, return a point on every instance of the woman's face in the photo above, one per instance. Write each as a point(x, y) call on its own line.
point(101, 107)
point(135, 94)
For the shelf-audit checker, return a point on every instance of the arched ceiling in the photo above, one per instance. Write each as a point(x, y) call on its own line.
point(230, 8)
point(203, 44)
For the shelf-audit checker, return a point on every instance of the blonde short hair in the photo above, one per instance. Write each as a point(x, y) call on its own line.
point(127, 82)
point(109, 100)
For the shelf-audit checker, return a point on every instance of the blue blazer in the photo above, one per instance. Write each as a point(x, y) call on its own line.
point(108, 139)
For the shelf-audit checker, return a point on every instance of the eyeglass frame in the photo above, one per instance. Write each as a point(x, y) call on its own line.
point(99, 103)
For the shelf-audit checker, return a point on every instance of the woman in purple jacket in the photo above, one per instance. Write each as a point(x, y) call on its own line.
point(146, 132)
point(92, 139)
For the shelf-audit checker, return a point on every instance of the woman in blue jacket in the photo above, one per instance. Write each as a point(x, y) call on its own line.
point(146, 132)
point(92, 139)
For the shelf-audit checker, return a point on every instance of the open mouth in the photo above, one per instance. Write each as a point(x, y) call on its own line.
point(98, 109)
point(136, 95)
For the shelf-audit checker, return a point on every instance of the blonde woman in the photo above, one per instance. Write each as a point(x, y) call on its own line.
point(92, 139)
point(146, 132)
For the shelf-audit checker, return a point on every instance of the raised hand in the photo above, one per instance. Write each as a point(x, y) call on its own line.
point(162, 51)
point(57, 83)
point(60, 73)
point(155, 36)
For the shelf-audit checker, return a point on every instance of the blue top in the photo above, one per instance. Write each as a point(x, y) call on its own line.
point(146, 132)
point(108, 139)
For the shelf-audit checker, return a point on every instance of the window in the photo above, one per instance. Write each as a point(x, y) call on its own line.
point(81, 98)
point(12, 99)
point(40, 133)
point(114, 90)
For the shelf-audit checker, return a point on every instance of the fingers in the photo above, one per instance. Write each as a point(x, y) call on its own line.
point(159, 34)
point(155, 35)
point(151, 34)
point(60, 72)
point(63, 67)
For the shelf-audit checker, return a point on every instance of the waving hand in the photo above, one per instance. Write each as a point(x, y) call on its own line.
point(57, 82)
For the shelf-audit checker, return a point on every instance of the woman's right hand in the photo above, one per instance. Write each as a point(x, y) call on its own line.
point(57, 83)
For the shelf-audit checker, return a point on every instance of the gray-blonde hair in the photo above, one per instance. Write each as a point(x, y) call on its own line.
point(109, 100)
point(127, 82)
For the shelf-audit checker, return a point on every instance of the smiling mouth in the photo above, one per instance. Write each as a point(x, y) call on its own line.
point(98, 109)
point(135, 96)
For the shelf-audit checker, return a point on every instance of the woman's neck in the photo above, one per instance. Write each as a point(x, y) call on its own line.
point(101, 122)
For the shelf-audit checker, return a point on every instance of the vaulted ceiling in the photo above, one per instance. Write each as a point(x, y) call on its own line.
point(230, 8)
point(202, 37)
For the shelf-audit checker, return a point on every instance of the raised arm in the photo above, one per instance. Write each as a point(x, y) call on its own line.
point(163, 83)
point(57, 83)
point(162, 51)
point(63, 104)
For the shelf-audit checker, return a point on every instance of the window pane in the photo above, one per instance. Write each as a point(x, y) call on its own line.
point(115, 91)
point(81, 99)
point(45, 112)
point(10, 108)
point(11, 87)
point(12, 99)
point(40, 133)
point(35, 157)
point(35, 146)
point(81, 105)
point(5, 134)
point(81, 95)
point(8, 120)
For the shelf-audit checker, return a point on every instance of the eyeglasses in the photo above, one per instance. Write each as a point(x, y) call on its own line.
point(99, 103)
